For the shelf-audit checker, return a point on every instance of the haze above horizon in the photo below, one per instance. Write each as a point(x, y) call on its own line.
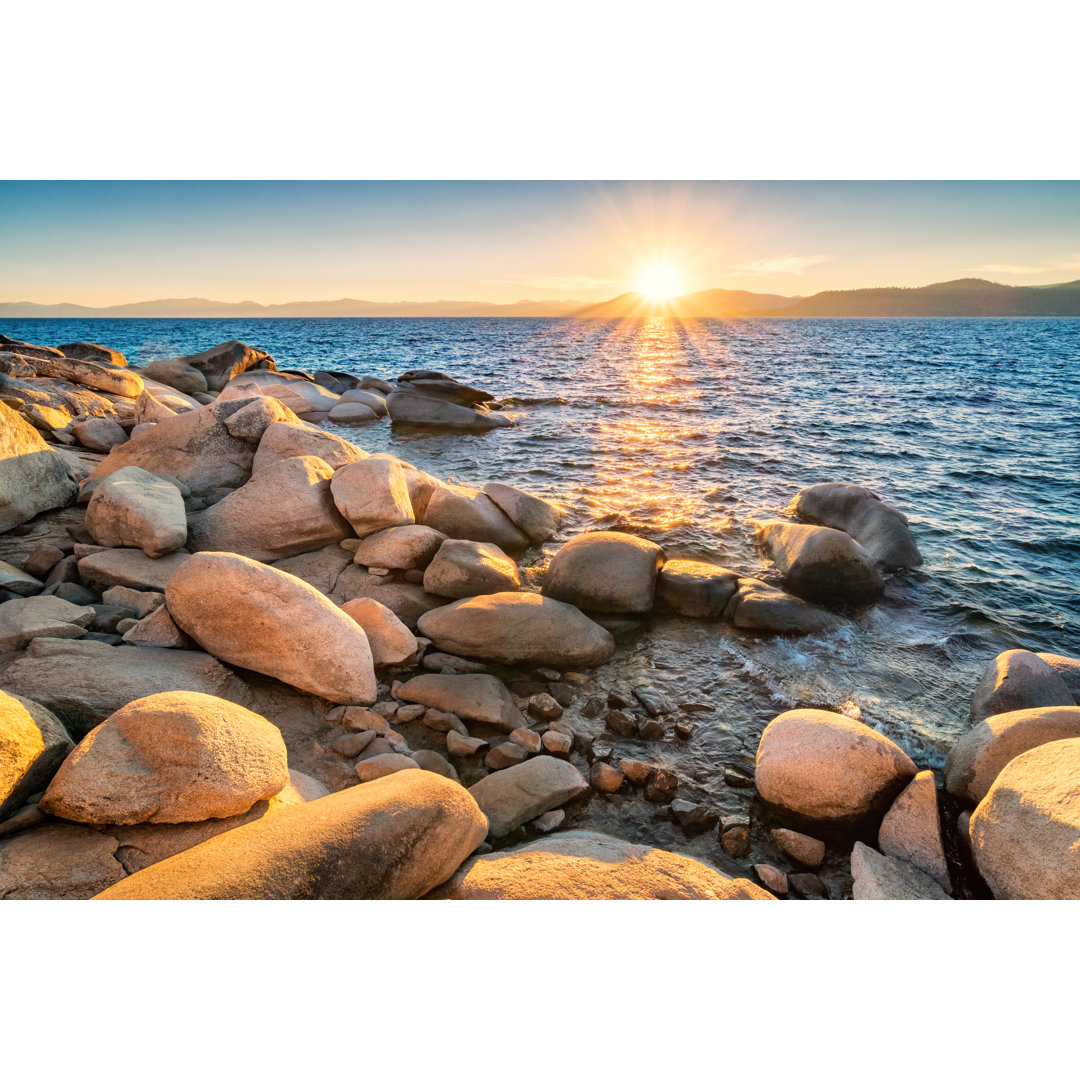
point(100, 244)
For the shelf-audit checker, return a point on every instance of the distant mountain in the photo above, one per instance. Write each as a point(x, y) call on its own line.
point(710, 304)
point(966, 297)
point(198, 308)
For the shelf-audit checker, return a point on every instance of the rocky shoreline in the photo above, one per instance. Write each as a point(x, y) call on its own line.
point(241, 657)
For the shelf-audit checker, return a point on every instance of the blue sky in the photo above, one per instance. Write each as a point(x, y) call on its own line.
point(271, 241)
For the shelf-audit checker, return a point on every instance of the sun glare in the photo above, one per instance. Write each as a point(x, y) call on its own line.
point(659, 281)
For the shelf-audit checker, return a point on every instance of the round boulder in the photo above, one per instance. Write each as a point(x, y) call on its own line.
point(464, 568)
point(372, 495)
point(134, 508)
point(1015, 680)
point(390, 639)
point(404, 547)
point(605, 571)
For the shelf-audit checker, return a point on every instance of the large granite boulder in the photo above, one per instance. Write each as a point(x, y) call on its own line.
point(826, 767)
point(421, 485)
point(591, 866)
point(911, 829)
point(1068, 667)
point(878, 877)
point(472, 697)
point(57, 862)
point(605, 571)
point(518, 627)
point(223, 362)
point(135, 509)
point(464, 568)
point(433, 399)
point(86, 350)
point(395, 838)
point(250, 422)
point(177, 373)
point(285, 509)
point(372, 495)
point(861, 513)
point(170, 757)
point(977, 759)
point(538, 518)
point(403, 547)
point(390, 640)
point(130, 567)
point(26, 618)
point(695, 589)
point(287, 440)
point(512, 796)
point(107, 378)
point(1016, 680)
point(1025, 834)
point(195, 447)
point(83, 682)
point(821, 565)
point(463, 513)
point(33, 745)
point(33, 477)
point(258, 618)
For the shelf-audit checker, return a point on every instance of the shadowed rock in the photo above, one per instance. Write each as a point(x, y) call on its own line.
point(695, 589)
point(605, 571)
point(463, 513)
point(878, 877)
point(1015, 680)
point(57, 862)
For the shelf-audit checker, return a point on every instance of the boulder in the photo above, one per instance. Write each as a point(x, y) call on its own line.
point(223, 362)
point(33, 477)
point(174, 399)
point(437, 384)
point(878, 527)
point(698, 590)
point(83, 682)
point(421, 485)
point(299, 393)
point(393, 839)
point(591, 866)
point(1068, 668)
point(605, 571)
point(1016, 680)
point(133, 508)
point(99, 433)
point(25, 349)
point(351, 412)
point(195, 447)
point(1025, 834)
point(177, 373)
point(258, 618)
point(406, 407)
point(407, 601)
point(57, 862)
point(463, 513)
point(911, 829)
point(823, 766)
point(372, 495)
point(472, 697)
point(285, 509)
point(759, 607)
point(464, 568)
point(522, 792)
point(375, 402)
point(516, 627)
point(250, 422)
point(283, 440)
point(821, 565)
point(536, 517)
point(33, 745)
point(878, 877)
point(404, 547)
point(390, 640)
point(979, 756)
point(86, 350)
point(170, 757)
point(158, 631)
point(107, 378)
point(148, 410)
point(379, 765)
point(130, 567)
point(14, 581)
point(320, 568)
point(30, 617)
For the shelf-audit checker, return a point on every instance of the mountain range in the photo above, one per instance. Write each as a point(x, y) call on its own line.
point(965, 297)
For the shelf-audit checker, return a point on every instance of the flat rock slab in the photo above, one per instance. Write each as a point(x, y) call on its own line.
point(26, 618)
point(472, 697)
point(395, 838)
point(57, 862)
point(591, 866)
point(131, 567)
point(522, 792)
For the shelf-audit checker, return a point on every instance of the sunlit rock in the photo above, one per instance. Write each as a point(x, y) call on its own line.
point(1015, 680)
point(464, 568)
point(911, 829)
point(605, 571)
point(135, 509)
point(33, 745)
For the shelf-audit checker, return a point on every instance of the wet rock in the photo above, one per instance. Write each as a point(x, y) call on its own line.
point(374, 768)
point(878, 877)
point(683, 730)
point(463, 513)
point(390, 639)
point(637, 772)
point(858, 511)
point(33, 477)
point(518, 628)
point(407, 406)
point(650, 729)
point(621, 723)
point(463, 568)
point(773, 879)
point(820, 564)
point(26, 618)
point(57, 862)
point(529, 739)
point(474, 697)
point(807, 887)
point(544, 707)
point(593, 708)
point(536, 517)
point(403, 547)
point(735, 837)
point(505, 755)
point(605, 571)
point(283, 440)
point(464, 745)
point(592, 750)
point(911, 829)
point(353, 744)
point(556, 742)
point(653, 702)
point(1016, 680)
point(662, 787)
point(396, 838)
point(798, 846)
point(828, 767)
point(618, 700)
point(518, 794)
point(352, 412)
point(605, 778)
point(757, 606)
point(372, 495)
point(375, 402)
point(33, 745)
point(303, 639)
point(696, 590)
point(692, 818)
point(1025, 833)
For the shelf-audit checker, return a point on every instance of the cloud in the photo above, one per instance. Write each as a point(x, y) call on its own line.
point(555, 283)
point(1069, 262)
point(780, 264)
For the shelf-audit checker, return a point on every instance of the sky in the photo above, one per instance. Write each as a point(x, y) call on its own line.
point(108, 242)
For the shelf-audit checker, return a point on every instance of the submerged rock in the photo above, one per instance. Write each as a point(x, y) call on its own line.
point(605, 571)
point(1015, 680)
point(757, 606)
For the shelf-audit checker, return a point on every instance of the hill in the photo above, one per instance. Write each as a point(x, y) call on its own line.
point(710, 304)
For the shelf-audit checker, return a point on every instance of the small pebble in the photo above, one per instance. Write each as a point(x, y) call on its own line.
point(683, 729)
point(617, 700)
point(556, 742)
point(408, 713)
point(544, 707)
point(621, 723)
point(600, 752)
point(593, 708)
point(505, 754)
point(562, 694)
point(550, 821)
point(662, 787)
point(575, 677)
point(463, 745)
point(735, 838)
point(798, 846)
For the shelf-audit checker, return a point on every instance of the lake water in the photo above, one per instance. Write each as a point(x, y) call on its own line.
point(685, 433)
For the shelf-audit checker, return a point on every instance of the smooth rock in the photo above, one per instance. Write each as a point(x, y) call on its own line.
point(26, 618)
point(99, 433)
point(375, 768)
point(637, 772)
point(505, 755)
point(526, 738)
point(250, 422)
point(697, 590)
point(390, 639)
point(352, 744)
point(605, 778)
point(518, 794)
point(283, 440)
point(404, 547)
point(804, 849)
point(434, 762)
point(372, 495)
point(772, 878)
point(224, 362)
point(662, 787)
point(87, 350)
point(605, 571)
point(57, 862)
point(1067, 667)
point(544, 707)
point(177, 373)
point(878, 877)
point(16, 583)
point(33, 477)
point(464, 745)
point(413, 408)
point(130, 567)
point(33, 745)
point(757, 606)
point(1016, 680)
point(135, 509)
point(463, 513)
point(911, 829)
point(536, 517)
point(463, 568)
point(375, 402)
point(556, 742)
point(473, 697)
point(351, 413)
point(157, 631)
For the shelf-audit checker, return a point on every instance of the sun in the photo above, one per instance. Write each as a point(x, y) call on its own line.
point(659, 281)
